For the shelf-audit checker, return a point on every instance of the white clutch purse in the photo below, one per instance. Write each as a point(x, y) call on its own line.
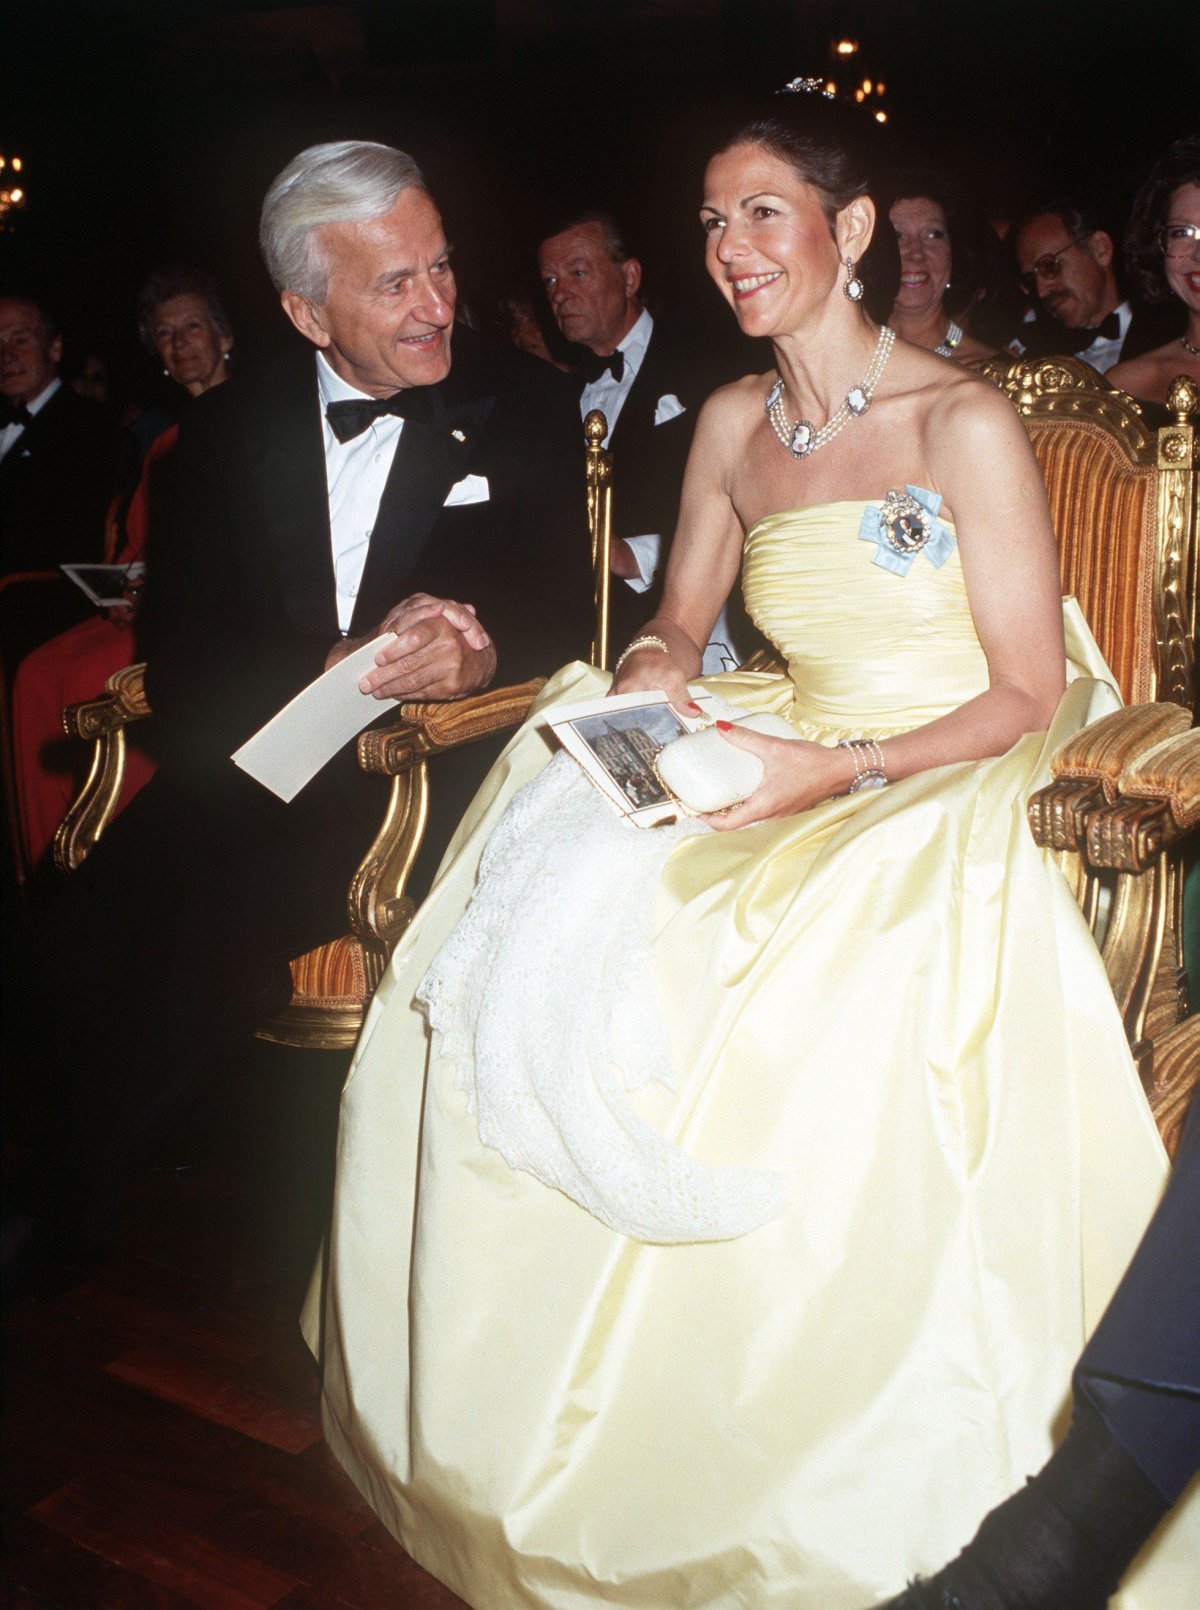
point(703, 773)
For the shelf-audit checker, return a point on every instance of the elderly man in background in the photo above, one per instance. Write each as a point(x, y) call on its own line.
point(394, 476)
point(649, 390)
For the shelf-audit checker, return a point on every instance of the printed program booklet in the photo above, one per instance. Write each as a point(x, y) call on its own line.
point(616, 741)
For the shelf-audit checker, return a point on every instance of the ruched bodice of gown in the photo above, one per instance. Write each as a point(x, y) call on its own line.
point(863, 646)
point(890, 1004)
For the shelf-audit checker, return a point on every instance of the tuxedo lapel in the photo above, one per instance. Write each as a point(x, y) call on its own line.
point(430, 457)
point(286, 451)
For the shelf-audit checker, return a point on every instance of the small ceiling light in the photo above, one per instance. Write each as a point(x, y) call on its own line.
point(846, 47)
point(17, 164)
point(830, 87)
point(879, 88)
point(881, 117)
point(17, 197)
point(867, 86)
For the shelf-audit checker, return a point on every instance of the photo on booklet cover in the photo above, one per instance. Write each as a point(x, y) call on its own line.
point(616, 742)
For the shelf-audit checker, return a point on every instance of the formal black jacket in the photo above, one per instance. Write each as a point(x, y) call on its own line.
point(55, 485)
point(241, 611)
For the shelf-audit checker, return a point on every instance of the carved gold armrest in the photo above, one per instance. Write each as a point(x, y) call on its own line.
point(124, 700)
point(103, 722)
point(425, 729)
point(379, 908)
point(1159, 804)
point(1088, 770)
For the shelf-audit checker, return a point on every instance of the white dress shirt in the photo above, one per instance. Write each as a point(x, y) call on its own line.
point(356, 473)
point(1103, 355)
point(12, 433)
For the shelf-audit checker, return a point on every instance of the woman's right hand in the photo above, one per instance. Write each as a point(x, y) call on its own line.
point(650, 670)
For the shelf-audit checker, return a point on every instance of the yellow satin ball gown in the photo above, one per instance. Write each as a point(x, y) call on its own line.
point(889, 1006)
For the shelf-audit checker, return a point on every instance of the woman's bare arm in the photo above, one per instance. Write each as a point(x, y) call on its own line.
point(704, 557)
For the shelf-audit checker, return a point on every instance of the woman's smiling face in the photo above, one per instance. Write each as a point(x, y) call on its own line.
point(769, 248)
point(924, 241)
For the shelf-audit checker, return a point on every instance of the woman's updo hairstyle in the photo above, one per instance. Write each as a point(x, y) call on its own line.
point(836, 147)
point(1143, 255)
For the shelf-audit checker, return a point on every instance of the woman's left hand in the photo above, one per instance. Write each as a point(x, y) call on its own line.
point(797, 774)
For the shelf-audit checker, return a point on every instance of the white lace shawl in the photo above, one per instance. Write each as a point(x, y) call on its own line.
point(543, 999)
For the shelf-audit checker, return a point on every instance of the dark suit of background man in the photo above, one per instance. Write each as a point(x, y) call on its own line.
point(649, 391)
point(58, 452)
point(292, 545)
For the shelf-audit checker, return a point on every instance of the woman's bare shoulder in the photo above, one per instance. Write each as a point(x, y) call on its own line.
point(1149, 376)
point(734, 408)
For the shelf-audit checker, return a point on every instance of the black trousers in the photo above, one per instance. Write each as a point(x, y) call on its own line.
point(156, 960)
point(1141, 1369)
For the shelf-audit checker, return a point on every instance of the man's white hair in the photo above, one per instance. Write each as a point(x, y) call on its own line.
point(342, 181)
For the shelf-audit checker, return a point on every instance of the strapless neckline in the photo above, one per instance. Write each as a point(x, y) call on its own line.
point(806, 509)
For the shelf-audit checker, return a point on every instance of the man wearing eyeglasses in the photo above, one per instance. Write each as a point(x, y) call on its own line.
point(1066, 263)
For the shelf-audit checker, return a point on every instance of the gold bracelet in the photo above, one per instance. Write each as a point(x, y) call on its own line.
point(649, 641)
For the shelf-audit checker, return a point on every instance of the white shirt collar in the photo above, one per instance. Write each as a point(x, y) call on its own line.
point(634, 344)
point(43, 397)
point(331, 385)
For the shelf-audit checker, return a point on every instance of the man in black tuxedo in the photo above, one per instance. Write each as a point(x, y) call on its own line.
point(649, 389)
point(1067, 266)
point(58, 452)
point(370, 485)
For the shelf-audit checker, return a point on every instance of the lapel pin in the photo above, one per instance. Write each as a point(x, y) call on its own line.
point(458, 435)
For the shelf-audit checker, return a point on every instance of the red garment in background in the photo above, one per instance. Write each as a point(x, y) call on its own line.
point(69, 668)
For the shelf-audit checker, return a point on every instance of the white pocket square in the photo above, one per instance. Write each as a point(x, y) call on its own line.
point(668, 407)
point(471, 489)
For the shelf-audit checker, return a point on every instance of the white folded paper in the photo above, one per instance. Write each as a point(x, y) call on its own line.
point(293, 746)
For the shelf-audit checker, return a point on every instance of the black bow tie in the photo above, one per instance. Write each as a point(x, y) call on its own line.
point(350, 418)
point(14, 413)
point(1109, 329)
point(593, 367)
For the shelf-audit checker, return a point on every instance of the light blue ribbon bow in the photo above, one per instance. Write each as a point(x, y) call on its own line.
point(937, 550)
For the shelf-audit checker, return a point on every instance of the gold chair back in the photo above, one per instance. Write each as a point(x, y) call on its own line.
point(1123, 501)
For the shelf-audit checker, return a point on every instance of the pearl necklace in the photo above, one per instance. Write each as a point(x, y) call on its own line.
point(1184, 342)
point(803, 437)
point(951, 339)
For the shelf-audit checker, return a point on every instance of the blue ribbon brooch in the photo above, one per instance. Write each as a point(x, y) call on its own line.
point(904, 525)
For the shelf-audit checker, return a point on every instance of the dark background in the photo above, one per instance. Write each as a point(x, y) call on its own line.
point(150, 129)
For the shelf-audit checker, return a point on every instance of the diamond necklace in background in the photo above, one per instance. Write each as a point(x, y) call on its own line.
point(803, 437)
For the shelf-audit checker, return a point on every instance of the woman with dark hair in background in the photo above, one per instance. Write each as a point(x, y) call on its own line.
point(720, 1208)
point(181, 322)
point(1162, 254)
point(938, 268)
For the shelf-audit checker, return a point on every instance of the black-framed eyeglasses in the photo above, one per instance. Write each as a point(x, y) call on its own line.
point(1178, 240)
point(1047, 266)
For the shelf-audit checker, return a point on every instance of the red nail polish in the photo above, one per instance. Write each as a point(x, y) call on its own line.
point(692, 705)
point(724, 726)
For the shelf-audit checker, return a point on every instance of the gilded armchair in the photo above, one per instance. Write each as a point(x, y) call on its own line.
point(332, 984)
point(1126, 789)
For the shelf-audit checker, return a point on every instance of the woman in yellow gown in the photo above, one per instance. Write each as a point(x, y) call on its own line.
point(720, 1211)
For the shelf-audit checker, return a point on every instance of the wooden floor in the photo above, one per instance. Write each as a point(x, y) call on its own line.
point(161, 1440)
